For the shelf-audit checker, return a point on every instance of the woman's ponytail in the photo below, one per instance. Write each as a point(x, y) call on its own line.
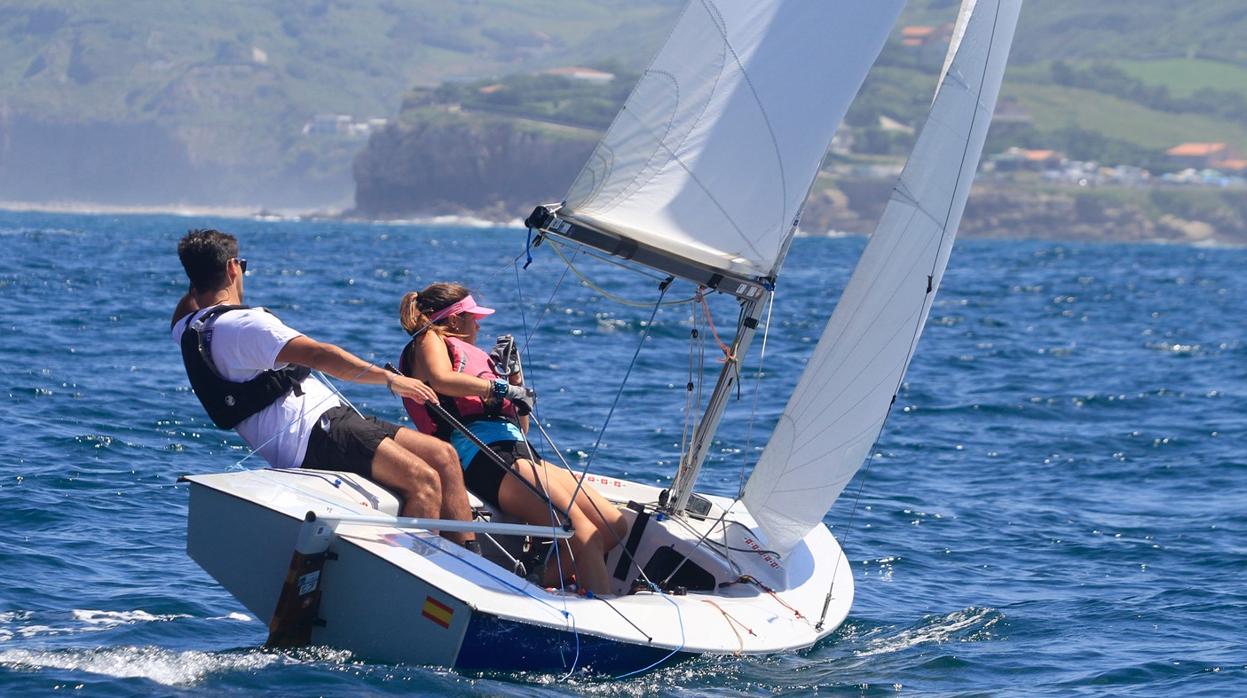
point(416, 307)
point(409, 315)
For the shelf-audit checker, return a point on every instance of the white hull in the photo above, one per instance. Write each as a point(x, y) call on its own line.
point(410, 596)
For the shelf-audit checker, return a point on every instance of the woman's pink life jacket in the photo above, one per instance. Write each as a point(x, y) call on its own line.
point(464, 358)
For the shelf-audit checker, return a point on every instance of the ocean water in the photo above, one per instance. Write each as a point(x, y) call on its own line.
point(1056, 506)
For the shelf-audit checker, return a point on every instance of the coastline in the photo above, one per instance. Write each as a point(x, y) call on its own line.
point(249, 213)
point(837, 226)
point(92, 208)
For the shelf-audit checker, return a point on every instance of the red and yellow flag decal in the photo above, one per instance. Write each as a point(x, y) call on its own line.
point(437, 612)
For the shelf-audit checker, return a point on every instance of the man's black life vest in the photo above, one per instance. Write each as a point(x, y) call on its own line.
point(227, 402)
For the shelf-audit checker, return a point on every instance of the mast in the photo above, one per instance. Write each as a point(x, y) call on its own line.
point(703, 435)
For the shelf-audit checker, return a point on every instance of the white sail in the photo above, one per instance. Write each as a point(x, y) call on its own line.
point(839, 406)
point(954, 40)
point(714, 151)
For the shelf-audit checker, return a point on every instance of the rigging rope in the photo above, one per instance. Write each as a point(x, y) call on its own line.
point(581, 479)
point(732, 623)
point(563, 461)
point(597, 444)
point(627, 374)
point(528, 335)
point(696, 378)
point(700, 297)
point(536, 419)
point(603, 292)
point(757, 390)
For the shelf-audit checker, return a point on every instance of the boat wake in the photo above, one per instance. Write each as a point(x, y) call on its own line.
point(33, 624)
point(163, 666)
point(967, 625)
point(169, 667)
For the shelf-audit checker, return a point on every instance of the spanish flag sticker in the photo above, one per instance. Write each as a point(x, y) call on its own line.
point(437, 612)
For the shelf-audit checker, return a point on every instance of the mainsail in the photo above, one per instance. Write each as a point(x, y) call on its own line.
point(712, 155)
point(843, 397)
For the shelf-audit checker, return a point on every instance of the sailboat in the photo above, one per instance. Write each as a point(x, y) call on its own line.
point(702, 177)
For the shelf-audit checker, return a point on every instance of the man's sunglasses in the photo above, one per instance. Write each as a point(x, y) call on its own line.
point(242, 264)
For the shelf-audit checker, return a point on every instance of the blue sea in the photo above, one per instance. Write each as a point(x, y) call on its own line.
point(1057, 505)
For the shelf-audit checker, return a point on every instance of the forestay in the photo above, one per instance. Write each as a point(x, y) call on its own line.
point(714, 152)
point(841, 401)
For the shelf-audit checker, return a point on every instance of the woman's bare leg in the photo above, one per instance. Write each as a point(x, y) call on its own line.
point(606, 516)
point(586, 542)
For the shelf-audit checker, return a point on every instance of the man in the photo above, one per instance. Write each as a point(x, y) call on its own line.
point(245, 367)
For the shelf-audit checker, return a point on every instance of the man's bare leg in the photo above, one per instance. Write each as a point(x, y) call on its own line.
point(402, 471)
point(442, 459)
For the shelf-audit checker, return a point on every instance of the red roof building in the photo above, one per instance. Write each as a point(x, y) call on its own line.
point(1201, 155)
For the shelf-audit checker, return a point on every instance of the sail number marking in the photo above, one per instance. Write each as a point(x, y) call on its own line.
point(604, 481)
point(766, 557)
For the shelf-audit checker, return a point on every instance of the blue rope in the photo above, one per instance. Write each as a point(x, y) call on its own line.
point(584, 472)
point(558, 556)
point(576, 657)
point(673, 652)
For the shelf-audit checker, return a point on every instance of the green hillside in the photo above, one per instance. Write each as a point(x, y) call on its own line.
point(1185, 76)
point(120, 59)
point(149, 101)
point(227, 87)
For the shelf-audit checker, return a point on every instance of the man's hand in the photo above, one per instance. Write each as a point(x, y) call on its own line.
point(413, 388)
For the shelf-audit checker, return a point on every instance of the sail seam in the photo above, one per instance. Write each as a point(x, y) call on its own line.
point(619, 117)
point(770, 131)
point(978, 99)
point(853, 317)
point(887, 304)
point(815, 436)
point(645, 170)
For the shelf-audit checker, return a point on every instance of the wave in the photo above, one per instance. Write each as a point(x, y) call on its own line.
point(33, 624)
point(24, 230)
point(166, 667)
point(967, 625)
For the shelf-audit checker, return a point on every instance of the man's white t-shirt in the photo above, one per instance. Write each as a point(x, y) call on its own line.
point(244, 344)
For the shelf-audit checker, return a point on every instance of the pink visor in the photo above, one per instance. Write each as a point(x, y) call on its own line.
point(466, 305)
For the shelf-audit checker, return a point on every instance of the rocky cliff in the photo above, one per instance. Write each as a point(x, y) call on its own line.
point(438, 161)
point(1020, 210)
point(494, 167)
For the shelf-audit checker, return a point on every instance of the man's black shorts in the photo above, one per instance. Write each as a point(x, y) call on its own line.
point(343, 440)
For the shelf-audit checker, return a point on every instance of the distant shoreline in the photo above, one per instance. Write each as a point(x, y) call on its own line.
point(471, 221)
point(81, 207)
point(246, 213)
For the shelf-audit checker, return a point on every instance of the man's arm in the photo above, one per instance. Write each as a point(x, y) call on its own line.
point(186, 306)
point(344, 365)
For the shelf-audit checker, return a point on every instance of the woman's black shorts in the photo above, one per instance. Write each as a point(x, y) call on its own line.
point(484, 477)
point(344, 440)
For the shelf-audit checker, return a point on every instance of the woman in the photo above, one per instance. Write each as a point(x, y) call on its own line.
point(443, 320)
